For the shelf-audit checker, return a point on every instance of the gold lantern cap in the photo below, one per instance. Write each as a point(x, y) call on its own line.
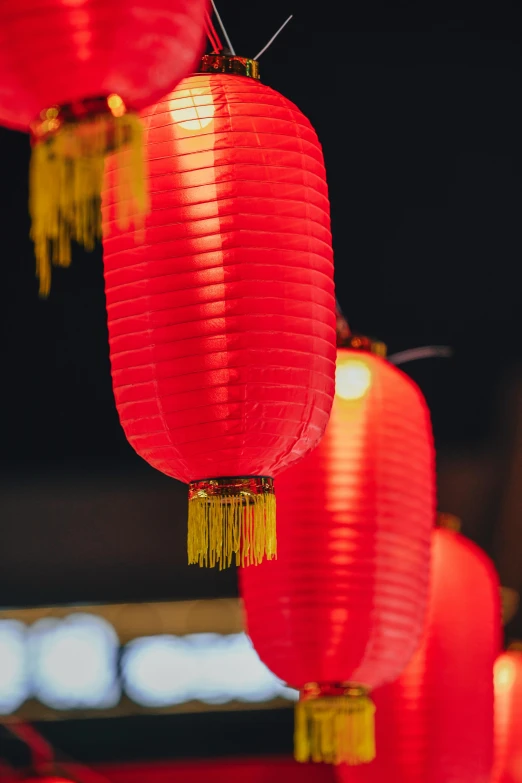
point(449, 522)
point(359, 342)
point(355, 342)
point(515, 646)
point(510, 599)
point(232, 64)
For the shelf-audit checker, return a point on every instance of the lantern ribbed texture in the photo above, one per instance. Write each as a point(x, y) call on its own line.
point(221, 324)
point(346, 598)
point(435, 723)
point(74, 72)
point(507, 767)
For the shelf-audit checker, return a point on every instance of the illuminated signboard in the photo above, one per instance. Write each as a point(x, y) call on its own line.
point(76, 661)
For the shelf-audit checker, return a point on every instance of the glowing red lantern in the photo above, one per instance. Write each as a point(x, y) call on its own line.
point(341, 610)
point(75, 72)
point(222, 324)
point(435, 723)
point(507, 767)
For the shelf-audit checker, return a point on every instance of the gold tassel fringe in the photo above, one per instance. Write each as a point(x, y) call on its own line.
point(65, 183)
point(227, 527)
point(335, 730)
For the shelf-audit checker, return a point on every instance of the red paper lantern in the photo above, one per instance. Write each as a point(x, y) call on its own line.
point(508, 717)
point(74, 72)
point(221, 324)
point(435, 723)
point(341, 610)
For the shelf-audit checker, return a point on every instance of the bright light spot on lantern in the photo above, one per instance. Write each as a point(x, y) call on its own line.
point(74, 662)
point(192, 109)
point(352, 379)
point(14, 682)
point(505, 674)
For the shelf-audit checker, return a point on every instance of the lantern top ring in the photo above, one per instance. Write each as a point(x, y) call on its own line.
point(449, 522)
point(321, 690)
point(52, 119)
point(358, 342)
point(234, 486)
point(229, 63)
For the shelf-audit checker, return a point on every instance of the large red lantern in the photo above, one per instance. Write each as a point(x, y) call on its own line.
point(341, 610)
point(435, 723)
point(508, 716)
point(222, 324)
point(74, 73)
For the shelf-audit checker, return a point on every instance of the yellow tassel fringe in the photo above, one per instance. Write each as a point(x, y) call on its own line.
point(223, 529)
point(335, 730)
point(65, 183)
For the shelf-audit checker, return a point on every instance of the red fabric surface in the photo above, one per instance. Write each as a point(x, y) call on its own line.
point(435, 723)
point(508, 718)
point(221, 323)
point(60, 51)
point(346, 598)
point(262, 770)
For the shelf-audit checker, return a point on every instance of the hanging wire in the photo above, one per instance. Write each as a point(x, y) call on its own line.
point(223, 30)
point(342, 327)
point(42, 755)
point(271, 41)
point(426, 352)
point(43, 759)
point(212, 34)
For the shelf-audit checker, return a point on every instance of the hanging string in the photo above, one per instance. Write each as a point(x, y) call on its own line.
point(271, 41)
point(212, 34)
point(227, 39)
point(43, 755)
point(426, 352)
point(342, 327)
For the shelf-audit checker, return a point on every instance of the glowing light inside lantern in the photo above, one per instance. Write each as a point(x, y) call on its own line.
point(192, 109)
point(352, 380)
point(504, 674)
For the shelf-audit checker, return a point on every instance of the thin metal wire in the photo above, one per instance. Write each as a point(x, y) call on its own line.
point(342, 326)
point(227, 39)
point(271, 41)
point(426, 352)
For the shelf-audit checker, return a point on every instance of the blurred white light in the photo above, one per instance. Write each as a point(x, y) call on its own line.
point(158, 671)
point(74, 662)
point(234, 672)
point(14, 680)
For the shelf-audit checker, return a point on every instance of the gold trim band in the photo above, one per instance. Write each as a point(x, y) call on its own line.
point(52, 119)
point(449, 522)
point(231, 64)
point(325, 690)
point(358, 342)
point(232, 486)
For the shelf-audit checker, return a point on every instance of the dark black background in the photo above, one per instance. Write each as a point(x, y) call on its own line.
point(417, 105)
